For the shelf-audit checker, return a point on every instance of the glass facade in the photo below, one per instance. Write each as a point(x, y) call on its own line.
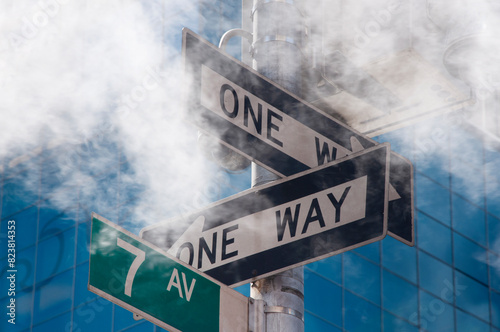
point(449, 281)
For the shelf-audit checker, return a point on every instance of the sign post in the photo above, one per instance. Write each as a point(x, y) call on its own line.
point(276, 129)
point(141, 278)
point(290, 222)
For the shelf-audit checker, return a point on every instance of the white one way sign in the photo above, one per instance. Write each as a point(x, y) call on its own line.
point(269, 124)
point(305, 217)
point(276, 129)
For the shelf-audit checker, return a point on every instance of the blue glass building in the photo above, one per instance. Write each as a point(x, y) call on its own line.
point(449, 281)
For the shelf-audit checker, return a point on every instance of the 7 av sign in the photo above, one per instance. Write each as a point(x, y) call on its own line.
point(141, 278)
point(276, 129)
point(294, 221)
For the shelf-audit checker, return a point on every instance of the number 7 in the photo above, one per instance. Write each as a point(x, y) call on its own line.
point(140, 257)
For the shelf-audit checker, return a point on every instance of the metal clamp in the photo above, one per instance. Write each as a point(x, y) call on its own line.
point(282, 38)
point(271, 38)
point(283, 310)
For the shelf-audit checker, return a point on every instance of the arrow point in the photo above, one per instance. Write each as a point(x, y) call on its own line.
point(195, 228)
point(393, 194)
point(356, 145)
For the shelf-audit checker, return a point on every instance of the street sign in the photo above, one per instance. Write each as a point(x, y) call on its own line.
point(308, 216)
point(274, 128)
point(141, 278)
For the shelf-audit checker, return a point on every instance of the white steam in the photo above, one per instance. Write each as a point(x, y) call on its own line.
point(83, 79)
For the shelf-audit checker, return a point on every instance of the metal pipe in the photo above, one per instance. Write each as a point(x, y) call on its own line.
point(234, 33)
point(278, 34)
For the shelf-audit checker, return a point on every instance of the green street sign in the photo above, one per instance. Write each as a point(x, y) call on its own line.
point(141, 278)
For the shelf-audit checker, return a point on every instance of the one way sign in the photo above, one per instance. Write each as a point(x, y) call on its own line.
point(314, 214)
point(277, 130)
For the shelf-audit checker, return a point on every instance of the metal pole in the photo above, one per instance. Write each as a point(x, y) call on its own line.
point(278, 34)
